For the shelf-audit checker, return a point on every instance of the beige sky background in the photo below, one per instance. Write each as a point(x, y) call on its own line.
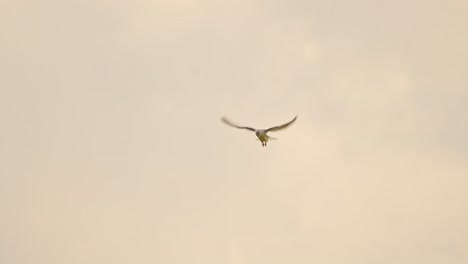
point(113, 151)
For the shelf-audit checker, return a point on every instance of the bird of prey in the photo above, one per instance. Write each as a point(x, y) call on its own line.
point(261, 133)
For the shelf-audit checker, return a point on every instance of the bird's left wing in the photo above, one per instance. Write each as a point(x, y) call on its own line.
point(228, 122)
point(276, 128)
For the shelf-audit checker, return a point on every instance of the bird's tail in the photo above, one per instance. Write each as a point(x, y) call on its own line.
point(269, 138)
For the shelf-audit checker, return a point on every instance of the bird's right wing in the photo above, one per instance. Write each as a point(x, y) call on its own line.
point(229, 123)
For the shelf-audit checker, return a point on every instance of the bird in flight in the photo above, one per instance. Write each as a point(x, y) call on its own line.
point(261, 133)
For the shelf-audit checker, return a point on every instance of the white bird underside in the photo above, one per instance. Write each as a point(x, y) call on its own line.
point(260, 133)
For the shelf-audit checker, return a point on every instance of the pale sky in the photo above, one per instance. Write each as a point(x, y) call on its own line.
point(113, 151)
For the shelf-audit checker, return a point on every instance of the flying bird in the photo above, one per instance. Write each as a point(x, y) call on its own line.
point(261, 133)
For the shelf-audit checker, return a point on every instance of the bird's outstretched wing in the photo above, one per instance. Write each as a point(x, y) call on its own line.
point(227, 122)
point(276, 128)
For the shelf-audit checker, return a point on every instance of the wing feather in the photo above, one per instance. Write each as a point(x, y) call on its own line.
point(276, 128)
point(229, 123)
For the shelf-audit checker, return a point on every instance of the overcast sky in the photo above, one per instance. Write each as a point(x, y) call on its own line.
point(113, 151)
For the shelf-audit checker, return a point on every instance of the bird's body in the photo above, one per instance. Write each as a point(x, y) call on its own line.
point(261, 133)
